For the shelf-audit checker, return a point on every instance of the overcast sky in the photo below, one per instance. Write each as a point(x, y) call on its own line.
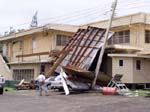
point(19, 13)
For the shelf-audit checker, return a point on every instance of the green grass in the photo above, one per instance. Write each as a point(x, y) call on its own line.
point(140, 92)
point(8, 89)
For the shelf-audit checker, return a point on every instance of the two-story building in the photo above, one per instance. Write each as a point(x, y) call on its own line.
point(128, 50)
point(28, 52)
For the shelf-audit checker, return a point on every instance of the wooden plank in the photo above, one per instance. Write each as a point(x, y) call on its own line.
point(33, 54)
point(58, 61)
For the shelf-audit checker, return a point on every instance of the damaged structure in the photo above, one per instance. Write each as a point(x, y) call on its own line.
point(128, 49)
point(126, 53)
point(32, 51)
point(77, 57)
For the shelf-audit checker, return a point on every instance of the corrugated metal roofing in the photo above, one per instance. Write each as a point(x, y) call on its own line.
point(83, 47)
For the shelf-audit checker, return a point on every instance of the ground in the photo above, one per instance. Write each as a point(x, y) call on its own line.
point(29, 101)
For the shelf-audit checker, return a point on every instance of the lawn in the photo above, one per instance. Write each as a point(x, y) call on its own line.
point(141, 92)
point(9, 89)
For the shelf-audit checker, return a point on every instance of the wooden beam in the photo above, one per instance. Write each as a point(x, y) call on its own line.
point(57, 63)
point(33, 54)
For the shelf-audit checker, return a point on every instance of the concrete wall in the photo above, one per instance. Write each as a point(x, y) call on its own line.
point(126, 69)
point(55, 47)
point(143, 75)
point(137, 35)
point(109, 66)
point(43, 44)
point(123, 21)
point(136, 23)
point(129, 71)
point(4, 70)
point(36, 68)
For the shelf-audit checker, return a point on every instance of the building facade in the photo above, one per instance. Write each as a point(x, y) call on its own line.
point(28, 52)
point(129, 48)
point(127, 52)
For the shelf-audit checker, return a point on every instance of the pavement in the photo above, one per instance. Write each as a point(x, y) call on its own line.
point(29, 101)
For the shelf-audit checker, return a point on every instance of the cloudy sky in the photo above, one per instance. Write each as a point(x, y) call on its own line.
point(18, 13)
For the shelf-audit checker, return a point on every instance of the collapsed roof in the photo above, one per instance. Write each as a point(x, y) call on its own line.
point(81, 50)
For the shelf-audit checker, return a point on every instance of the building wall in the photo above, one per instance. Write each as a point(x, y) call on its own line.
point(27, 43)
point(143, 75)
point(145, 45)
point(126, 69)
point(4, 70)
point(16, 50)
point(123, 21)
point(136, 23)
point(109, 66)
point(138, 36)
point(43, 43)
point(36, 68)
point(55, 47)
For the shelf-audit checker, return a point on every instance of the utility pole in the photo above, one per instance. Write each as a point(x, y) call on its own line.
point(103, 47)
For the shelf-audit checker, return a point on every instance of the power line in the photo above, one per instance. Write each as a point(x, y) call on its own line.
point(75, 14)
point(87, 12)
point(56, 17)
point(67, 14)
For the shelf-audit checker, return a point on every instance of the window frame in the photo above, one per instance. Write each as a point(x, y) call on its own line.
point(61, 40)
point(20, 45)
point(138, 65)
point(120, 37)
point(27, 74)
point(33, 43)
point(121, 62)
point(147, 39)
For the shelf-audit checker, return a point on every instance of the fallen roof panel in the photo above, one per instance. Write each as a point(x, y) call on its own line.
point(83, 46)
point(86, 49)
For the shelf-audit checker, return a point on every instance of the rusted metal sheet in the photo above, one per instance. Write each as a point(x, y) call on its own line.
point(82, 47)
point(65, 51)
point(85, 49)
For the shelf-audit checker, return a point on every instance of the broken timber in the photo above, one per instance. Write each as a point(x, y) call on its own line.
point(64, 53)
point(80, 51)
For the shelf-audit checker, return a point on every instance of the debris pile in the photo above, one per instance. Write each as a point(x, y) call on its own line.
point(77, 57)
point(23, 85)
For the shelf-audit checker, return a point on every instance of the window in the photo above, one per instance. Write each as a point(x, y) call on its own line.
point(4, 49)
point(147, 36)
point(33, 43)
point(120, 62)
point(20, 45)
point(61, 40)
point(42, 68)
point(27, 74)
point(120, 37)
point(138, 64)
